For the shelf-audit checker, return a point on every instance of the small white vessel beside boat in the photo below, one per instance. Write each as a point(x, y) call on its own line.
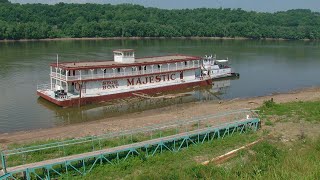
point(217, 68)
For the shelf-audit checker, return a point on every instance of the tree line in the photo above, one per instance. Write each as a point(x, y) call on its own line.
point(38, 21)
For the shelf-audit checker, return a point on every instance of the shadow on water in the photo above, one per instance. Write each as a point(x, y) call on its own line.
point(119, 107)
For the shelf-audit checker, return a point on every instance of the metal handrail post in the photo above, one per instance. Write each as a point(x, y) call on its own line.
point(3, 160)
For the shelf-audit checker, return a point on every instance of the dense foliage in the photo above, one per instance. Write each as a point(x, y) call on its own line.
point(4, 1)
point(35, 21)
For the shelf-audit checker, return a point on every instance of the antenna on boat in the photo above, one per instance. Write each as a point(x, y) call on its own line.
point(57, 60)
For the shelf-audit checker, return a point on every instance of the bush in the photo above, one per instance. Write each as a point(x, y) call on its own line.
point(269, 103)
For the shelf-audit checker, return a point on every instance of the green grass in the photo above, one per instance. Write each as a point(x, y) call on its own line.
point(57, 152)
point(169, 165)
point(269, 123)
point(270, 159)
point(292, 111)
point(267, 160)
point(264, 161)
point(279, 161)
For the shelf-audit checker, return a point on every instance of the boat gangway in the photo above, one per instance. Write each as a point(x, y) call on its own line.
point(79, 156)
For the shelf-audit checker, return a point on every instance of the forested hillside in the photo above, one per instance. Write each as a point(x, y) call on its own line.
point(37, 21)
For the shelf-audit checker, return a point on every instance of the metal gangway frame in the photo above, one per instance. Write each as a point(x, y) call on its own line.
point(182, 134)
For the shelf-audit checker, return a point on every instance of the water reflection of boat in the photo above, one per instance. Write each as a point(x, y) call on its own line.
point(220, 86)
point(135, 104)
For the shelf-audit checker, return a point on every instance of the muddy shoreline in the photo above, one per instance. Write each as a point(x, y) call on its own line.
point(149, 117)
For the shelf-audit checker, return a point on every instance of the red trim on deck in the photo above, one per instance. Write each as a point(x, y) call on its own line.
point(96, 99)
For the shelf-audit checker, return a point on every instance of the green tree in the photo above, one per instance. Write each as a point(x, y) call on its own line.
point(5, 1)
point(35, 21)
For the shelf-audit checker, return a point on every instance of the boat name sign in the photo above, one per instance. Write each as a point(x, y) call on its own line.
point(110, 84)
point(151, 79)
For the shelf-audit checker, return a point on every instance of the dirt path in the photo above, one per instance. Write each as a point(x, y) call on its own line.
point(149, 117)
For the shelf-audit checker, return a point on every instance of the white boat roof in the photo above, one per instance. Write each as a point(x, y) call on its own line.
point(222, 60)
point(138, 61)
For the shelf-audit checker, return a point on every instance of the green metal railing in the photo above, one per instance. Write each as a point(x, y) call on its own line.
point(150, 139)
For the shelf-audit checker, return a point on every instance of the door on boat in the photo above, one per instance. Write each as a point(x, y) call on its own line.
point(181, 75)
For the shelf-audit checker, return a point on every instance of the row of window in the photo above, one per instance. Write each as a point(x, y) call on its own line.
point(95, 71)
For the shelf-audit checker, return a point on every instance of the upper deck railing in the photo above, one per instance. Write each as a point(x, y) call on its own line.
point(115, 74)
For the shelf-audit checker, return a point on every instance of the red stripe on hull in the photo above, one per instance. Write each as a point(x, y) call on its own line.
point(96, 99)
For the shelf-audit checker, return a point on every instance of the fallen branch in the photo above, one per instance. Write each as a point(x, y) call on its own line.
point(230, 154)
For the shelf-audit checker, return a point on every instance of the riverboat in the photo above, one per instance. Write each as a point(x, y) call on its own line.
point(79, 83)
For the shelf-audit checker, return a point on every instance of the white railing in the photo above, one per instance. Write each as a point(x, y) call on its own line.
point(53, 74)
point(122, 74)
point(58, 75)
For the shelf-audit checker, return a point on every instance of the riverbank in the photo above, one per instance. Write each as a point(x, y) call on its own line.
point(145, 38)
point(289, 138)
point(149, 117)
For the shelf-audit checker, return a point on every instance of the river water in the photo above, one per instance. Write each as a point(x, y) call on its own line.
point(265, 67)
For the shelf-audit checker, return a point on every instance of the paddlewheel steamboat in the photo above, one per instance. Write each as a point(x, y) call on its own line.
point(79, 83)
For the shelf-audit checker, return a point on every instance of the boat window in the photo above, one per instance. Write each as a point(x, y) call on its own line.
point(105, 71)
point(145, 68)
point(118, 70)
point(158, 66)
point(185, 63)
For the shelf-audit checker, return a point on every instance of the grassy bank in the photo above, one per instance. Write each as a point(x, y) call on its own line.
point(291, 112)
point(181, 165)
point(266, 160)
point(274, 158)
point(271, 159)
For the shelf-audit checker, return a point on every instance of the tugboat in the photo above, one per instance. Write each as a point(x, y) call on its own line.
point(218, 69)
